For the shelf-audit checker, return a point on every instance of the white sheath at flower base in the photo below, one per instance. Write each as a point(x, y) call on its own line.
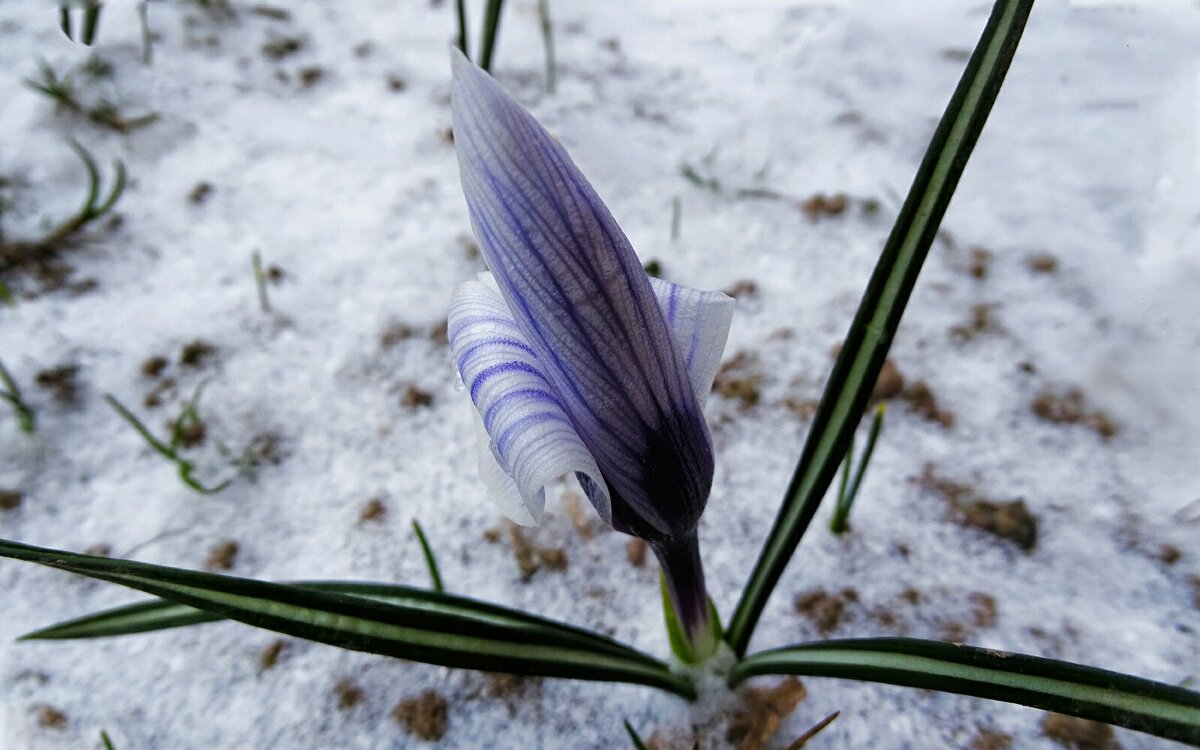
point(526, 439)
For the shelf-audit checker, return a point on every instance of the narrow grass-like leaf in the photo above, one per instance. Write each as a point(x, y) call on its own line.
point(1131, 702)
point(813, 731)
point(848, 490)
point(260, 282)
point(870, 335)
point(108, 743)
point(491, 27)
point(435, 575)
point(91, 19)
point(548, 45)
point(26, 419)
point(460, 11)
point(633, 737)
point(426, 626)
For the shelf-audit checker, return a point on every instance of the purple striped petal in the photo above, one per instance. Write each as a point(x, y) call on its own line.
point(585, 305)
point(527, 438)
point(699, 323)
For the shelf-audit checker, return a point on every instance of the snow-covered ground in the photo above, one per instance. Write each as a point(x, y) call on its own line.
point(321, 133)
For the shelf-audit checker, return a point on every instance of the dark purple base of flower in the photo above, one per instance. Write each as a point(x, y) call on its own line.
point(680, 561)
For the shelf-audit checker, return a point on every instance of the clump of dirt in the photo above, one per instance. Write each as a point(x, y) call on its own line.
point(50, 717)
point(222, 557)
point(394, 334)
point(10, 499)
point(282, 47)
point(742, 289)
point(805, 408)
point(530, 557)
point(1042, 263)
point(983, 609)
point(196, 353)
point(1069, 407)
point(372, 510)
point(981, 261)
point(153, 366)
point(311, 75)
point(740, 379)
point(199, 194)
point(635, 552)
point(1170, 554)
point(1007, 520)
point(981, 322)
point(989, 739)
point(820, 205)
point(921, 400)
point(439, 333)
point(61, 381)
point(264, 448)
point(755, 722)
point(823, 609)
point(581, 520)
point(348, 694)
point(270, 655)
point(426, 715)
point(192, 432)
point(415, 397)
point(1081, 734)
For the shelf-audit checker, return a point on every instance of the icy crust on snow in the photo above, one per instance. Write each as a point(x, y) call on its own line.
point(349, 185)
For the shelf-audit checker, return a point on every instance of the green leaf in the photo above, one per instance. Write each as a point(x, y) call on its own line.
point(491, 27)
point(419, 625)
point(633, 737)
point(435, 575)
point(870, 335)
point(1131, 702)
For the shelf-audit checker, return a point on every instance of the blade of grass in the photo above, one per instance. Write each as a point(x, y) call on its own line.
point(26, 419)
point(91, 18)
point(846, 494)
point(870, 335)
point(813, 731)
point(1131, 702)
point(461, 42)
point(491, 27)
point(548, 45)
point(428, 627)
point(430, 561)
point(633, 737)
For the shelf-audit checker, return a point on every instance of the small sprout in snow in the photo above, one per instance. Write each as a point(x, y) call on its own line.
point(813, 731)
point(634, 737)
point(41, 250)
point(11, 393)
point(170, 450)
point(426, 715)
point(705, 183)
point(848, 489)
point(260, 282)
point(435, 575)
point(106, 740)
point(62, 90)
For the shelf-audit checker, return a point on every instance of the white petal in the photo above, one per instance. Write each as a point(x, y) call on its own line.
point(531, 441)
point(699, 323)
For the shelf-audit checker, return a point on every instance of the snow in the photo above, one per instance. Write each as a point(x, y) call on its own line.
point(350, 187)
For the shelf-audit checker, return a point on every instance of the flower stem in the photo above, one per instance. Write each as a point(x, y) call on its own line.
point(690, 616)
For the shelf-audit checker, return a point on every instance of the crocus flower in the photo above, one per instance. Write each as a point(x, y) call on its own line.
point(575, 359)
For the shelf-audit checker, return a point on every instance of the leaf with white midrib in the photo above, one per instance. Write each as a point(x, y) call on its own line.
point(1101, 695)
point(428, 627)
